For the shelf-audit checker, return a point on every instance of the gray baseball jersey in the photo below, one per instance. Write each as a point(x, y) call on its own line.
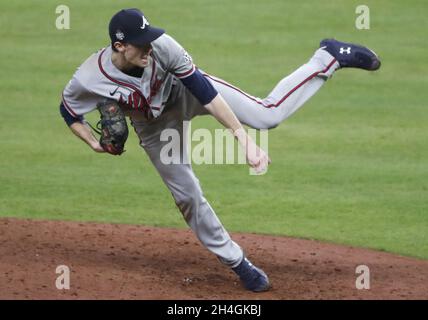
point(98, 77)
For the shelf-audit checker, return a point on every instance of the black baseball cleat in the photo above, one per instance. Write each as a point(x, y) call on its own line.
point(351, 55)
point(253, 278)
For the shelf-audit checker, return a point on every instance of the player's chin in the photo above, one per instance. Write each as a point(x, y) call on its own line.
point(144, 63)
point(139, 62)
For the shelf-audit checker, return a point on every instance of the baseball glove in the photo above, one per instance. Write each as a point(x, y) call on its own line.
point(113, 128)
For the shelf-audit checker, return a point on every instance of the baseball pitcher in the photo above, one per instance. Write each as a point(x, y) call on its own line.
point(146, 75)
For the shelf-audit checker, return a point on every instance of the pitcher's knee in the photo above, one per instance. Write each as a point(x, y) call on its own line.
point(272, 123)
point(187, 202)
point(267, 124)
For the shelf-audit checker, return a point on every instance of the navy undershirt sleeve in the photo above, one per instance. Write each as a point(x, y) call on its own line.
point(200, 87)
point(68, 118)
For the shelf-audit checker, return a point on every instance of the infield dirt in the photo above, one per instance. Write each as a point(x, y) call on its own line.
point(112, 261)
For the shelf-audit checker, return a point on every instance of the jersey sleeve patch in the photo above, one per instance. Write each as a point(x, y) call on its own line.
point(179, 61)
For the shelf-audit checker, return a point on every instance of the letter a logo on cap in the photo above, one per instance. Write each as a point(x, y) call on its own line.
point(145, 22)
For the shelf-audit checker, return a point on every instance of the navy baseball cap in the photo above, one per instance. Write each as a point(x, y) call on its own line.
point(131, 26)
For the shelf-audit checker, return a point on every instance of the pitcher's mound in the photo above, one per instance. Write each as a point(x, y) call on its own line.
point(110, 261)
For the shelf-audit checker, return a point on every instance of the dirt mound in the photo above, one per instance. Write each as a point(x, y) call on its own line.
point(110, 261)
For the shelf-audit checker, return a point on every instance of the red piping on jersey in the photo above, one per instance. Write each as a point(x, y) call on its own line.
point(151, 79)
point(120, 82)
point(187, 73)
point(152, 86)
point(284, 97)
point(68, 108)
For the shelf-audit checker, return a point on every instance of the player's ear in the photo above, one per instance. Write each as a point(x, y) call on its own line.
point(119, 46)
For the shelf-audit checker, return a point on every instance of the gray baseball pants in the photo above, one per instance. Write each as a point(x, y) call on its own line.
point(287, 96)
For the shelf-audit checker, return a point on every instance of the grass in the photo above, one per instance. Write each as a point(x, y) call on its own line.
point(350, 167)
